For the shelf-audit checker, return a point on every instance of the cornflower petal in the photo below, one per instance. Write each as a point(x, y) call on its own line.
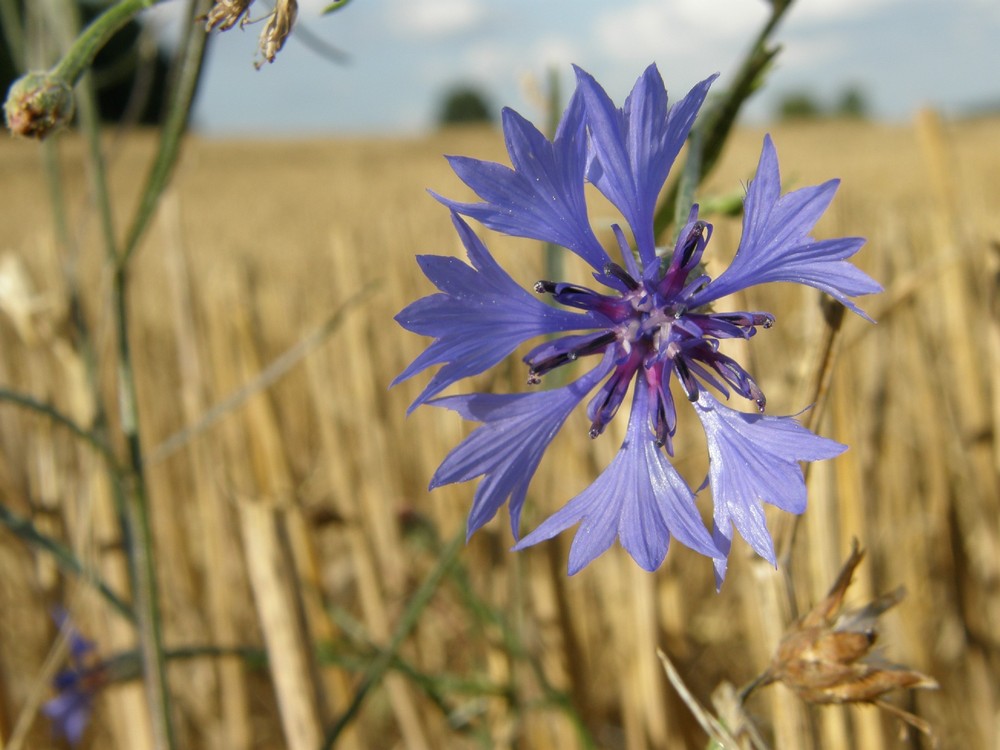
point(76, 685)
point(542, 197)
point(639, 498)
point(776, 245)
point(70, 713)
point(507, 448)
point(634, 147)
point(754, 459)
point(480, 317)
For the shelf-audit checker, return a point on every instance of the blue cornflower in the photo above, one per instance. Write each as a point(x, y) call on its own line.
point(75, 686)
point(652, 325)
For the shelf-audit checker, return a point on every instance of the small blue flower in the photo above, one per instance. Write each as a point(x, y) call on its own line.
point(75, 686)
point(652, 326)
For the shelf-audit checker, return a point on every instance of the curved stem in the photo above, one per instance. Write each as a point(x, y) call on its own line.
point(421, 597)
point(64, 557)
point(187, 72)
point(718, 120)
point(136, 501)
point(95, 36)
point(47, 410)
point(141, 548)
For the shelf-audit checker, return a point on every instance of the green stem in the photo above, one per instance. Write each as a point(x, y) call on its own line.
point(95, 36)
point(130, 490)
point(421, 597)
point(141, 548)
point(515, 648)
point(187, 71)
point(487, 614)
point(720, 118)
point(32, 404)
point(64, 557)
point(90, 122)
point(689, 181)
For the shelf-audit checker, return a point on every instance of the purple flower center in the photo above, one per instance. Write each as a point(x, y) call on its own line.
point(655, 327)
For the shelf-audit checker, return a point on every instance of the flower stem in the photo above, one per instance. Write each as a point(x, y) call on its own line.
point(718, 120)
point(186, 73)
point(31, 404)
point(140, 549)
point(64, 557)
point(86, 46)
point(407, 622)
point(130, 479)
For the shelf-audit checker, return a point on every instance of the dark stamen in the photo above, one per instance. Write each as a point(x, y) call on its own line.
point(747, 320)
point(545, 287)
point(613, 269)
point(552, 354)
point(691, 242)
point(686, 379)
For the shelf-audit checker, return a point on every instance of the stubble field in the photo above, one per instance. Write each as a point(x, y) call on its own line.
point(288, 489)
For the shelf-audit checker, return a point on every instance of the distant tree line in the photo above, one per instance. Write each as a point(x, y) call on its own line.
point(464, 104)
point(804, 105)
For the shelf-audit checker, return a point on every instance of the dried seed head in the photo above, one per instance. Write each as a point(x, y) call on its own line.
point(278, 27)
point(38, 104)
point(226, 13)
point(827, 656)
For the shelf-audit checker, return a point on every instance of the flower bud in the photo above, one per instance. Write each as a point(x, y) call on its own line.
point(38, 104)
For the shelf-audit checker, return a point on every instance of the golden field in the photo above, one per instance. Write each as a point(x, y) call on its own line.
point(288, 488)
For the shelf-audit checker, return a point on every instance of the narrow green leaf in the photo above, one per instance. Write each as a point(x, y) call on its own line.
point(334, 6)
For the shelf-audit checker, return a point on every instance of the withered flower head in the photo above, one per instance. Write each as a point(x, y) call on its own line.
point(227, 13)
point(827, 656)
point(278, 27)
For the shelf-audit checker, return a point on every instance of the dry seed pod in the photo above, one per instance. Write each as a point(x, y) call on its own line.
point(828, 657)
point(225, 14)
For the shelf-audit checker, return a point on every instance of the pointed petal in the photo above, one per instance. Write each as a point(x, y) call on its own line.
point(480, 317)
point(639, 498)
point(507, 448)
point(776, 245)
point(542, 197)
point(754, 459)
point(721, 563)
point(635, 147)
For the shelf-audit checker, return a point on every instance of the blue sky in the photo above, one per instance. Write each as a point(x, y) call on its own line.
point(403, 54)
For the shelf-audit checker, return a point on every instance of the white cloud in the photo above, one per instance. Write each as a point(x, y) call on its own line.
point(437, 18)
point(650, 29)
point(165, 20)
point(653, 28)
point(484, 60)
point(801, 53)
point(554, 51)
point(828, 10)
